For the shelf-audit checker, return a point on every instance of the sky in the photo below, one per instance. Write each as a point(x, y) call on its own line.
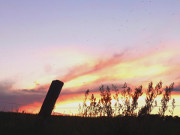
point(85, 43)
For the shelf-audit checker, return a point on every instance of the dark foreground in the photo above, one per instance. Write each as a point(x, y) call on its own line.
point(28, 124)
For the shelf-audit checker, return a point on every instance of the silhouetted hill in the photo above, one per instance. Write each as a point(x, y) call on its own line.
point(29, 124)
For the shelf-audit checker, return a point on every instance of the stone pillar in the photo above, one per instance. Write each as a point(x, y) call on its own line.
point(51, 97)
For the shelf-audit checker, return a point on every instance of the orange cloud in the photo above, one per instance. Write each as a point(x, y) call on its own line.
point(150, 66)
point(31, 108)
point(132, 67)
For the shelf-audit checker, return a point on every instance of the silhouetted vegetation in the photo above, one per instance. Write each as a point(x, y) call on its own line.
point(165, 100)
point(126, 104)
point(151, 94)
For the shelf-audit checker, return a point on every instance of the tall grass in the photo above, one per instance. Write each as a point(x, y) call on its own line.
point(126, 101)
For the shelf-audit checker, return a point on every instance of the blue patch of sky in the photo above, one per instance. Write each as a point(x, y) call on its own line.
point(104, 24)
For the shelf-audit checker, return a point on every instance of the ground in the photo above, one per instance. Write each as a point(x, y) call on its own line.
point(29, 124)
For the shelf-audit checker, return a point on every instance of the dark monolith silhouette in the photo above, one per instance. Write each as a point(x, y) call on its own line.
point(51, 97)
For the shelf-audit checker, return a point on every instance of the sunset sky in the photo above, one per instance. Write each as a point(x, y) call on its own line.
point(85, 43)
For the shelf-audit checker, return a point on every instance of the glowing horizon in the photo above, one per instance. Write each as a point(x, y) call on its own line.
point(151, 65)
point(69, 104)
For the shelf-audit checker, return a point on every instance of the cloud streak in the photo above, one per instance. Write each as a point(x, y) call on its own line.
point(132, 67)
point(87, 69)
point(151, 65)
